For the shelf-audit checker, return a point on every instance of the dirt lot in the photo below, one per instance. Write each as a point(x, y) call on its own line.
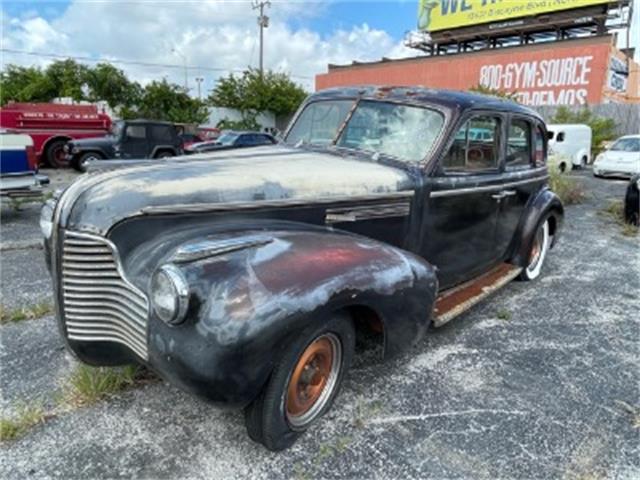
point(539, 381)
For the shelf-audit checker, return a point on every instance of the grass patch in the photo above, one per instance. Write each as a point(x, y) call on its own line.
point(615, 211)
point(570, 190)
point(88, 385)
point(30, 312)
point(27, 417)
point(504, 314)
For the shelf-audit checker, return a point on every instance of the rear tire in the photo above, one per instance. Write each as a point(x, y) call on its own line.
point(303, 384)
point(55, 156)
point(538, 252)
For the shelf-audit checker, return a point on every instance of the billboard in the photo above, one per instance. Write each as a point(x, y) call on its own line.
point(438, 15)
point(574, 72)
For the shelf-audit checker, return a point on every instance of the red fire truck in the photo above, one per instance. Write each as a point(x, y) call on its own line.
point(51, 125)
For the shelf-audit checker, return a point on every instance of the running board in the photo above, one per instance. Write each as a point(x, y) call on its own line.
point(457, 300)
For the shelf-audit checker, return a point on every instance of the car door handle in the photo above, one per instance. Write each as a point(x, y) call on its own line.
point(503, 194)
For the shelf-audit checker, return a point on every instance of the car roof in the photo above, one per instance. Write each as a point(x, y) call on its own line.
point(155, 122)
point(449, 99)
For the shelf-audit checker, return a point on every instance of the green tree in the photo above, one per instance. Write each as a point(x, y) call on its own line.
point(254, 92)
point(108, 83)
point(25, 84)
point(167, 101)
point(481, 89)
point(602, 129)
point(69, 78)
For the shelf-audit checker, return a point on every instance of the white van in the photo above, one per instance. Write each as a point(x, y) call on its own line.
point(570, 141)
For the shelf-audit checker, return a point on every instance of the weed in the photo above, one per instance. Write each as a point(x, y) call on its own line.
point(570, 190)
point(87, 385)
point(634, 412)
point(27, 416)
point(504, 314)
point(30, 312)
point(365, 410)
point(615, 211)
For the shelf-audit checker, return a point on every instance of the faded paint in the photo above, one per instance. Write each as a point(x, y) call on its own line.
point(263, 173)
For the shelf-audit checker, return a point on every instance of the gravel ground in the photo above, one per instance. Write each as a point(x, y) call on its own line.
point(538, 395)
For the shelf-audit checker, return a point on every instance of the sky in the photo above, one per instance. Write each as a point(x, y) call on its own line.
point(213, 38)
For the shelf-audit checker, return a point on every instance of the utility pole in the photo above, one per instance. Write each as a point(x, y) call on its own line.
point(199, 80)
point(263, 22)
point(186, 72)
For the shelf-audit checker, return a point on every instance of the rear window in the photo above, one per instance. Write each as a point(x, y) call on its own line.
point(161, 132)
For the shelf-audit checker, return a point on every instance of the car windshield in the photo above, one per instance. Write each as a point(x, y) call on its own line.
point(403, 132)
point(227, 138)
point(116, 128)
point(627, 145)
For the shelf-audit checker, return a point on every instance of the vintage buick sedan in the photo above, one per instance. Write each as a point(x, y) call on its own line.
point(245, 277)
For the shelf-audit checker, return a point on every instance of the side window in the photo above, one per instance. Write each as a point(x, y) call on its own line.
point(540, 156)
point(136, 132)
point(162, 132)
point(475, 146)
point(560, 137)
point(519, 143)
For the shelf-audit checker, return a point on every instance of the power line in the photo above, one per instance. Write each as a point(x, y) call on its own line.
point(131, 62)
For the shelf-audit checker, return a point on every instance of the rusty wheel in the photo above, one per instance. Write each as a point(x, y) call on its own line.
point(303, 383)
point(313, 380)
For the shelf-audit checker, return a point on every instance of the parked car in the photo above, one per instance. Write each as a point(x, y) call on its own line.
point(621, 159)
point(18, 167)
point(52, 125)
point(229, 140)
point(129, 139)
point(632, 201)
point(247, 279)
point(189, 139)
point(570, 141)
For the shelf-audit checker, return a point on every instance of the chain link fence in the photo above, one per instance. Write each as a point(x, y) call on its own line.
point(626, 116)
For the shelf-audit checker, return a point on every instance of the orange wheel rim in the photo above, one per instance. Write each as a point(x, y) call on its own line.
point(313, 379)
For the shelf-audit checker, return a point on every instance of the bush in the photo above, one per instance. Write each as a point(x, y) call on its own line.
point(570, 190)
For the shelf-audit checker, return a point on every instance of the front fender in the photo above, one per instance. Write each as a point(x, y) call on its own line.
point(247, 304)
point(544, 204)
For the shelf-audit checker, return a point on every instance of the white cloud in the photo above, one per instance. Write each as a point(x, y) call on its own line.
point(219, 35)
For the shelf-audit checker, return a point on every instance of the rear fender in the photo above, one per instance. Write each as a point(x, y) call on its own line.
point(544, 204)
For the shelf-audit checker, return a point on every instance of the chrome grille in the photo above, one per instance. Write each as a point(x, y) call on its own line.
point(99, 304)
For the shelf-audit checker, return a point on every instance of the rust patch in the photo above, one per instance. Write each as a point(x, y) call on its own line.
point(454, 301)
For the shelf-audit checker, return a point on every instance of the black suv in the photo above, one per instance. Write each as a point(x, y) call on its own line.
point(128, 139)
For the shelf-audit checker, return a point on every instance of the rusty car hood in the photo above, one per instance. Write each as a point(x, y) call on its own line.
point(263, 174)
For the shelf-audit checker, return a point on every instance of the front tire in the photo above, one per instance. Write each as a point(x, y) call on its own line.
point(303, 384)
point(164, 154)
point(81, 163)
point(538, 252)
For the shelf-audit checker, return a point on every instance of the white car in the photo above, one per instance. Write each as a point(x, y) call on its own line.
point(622, 159)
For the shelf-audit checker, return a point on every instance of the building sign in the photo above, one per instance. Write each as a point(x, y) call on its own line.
point(437, 15)
point(574, 72)
point(554, 81)
point(618, 75)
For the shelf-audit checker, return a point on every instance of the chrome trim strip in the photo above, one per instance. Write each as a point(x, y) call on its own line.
point(266, 204)
point(488, 188)
point(387, 210)
point(210, 247)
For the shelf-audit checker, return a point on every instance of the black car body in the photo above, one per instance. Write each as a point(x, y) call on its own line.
point(129, 139)
point(230, 140)
point(361, 222)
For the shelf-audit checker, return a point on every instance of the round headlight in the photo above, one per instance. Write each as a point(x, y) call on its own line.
point(169, 294)
point(46, 218)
